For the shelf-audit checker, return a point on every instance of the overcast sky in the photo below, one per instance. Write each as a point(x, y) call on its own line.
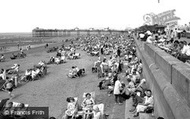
point(24, 15)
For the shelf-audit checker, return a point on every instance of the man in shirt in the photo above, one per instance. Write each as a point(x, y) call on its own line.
point(3, 75)
point(149, 39)
point(185, 52)
point(116, 91)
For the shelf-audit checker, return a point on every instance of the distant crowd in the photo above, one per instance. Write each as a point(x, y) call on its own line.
point(118, 68)
point(171, 43)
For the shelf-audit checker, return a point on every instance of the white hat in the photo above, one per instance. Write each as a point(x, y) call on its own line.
point(149, 33)
point(107, 78)
point(138, 93)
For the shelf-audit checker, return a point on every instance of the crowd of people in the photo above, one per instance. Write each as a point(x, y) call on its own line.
point(12, 76)
point(118, 68)
point(116, 57)
point(170, 43)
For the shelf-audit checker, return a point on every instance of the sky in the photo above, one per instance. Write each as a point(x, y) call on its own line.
point(25, 15)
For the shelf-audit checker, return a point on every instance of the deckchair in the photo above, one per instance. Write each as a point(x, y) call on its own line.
point(68, 112)
point(3, 103)
point(101, 108)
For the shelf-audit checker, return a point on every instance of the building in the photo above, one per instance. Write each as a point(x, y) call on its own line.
point(39, 32)
point(166, 18)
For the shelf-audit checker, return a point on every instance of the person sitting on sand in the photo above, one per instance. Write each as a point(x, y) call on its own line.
point(76, 69)
point(57, 60)
point(73, 50)
point(28, 74)
point(41, 63)
point(21, 50)
point(15, 67)
point(58, 54)
point(63, 58)
point(70, 55)
point(73, 72)
point(52, 60)
point(2, 59)
point(13, 56)
point(35, 73)
point(46, 45)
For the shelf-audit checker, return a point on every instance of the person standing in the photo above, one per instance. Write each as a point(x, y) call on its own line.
point(172, 35)
point(118, 52)
point(18, 46)
point(21, 50)
point(116, 91)
point(102, 50)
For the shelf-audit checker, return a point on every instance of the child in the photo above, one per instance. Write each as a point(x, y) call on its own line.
point(9, 88)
